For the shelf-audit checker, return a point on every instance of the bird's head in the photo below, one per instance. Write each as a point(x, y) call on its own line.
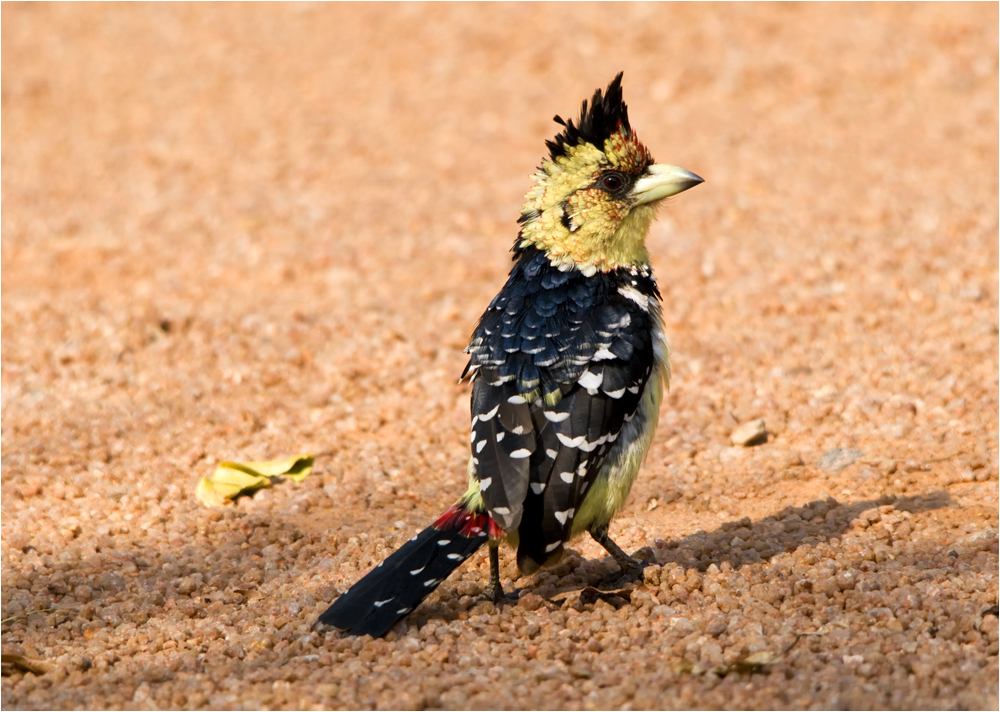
point(595, 195)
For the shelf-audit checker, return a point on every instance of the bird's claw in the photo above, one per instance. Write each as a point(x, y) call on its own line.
point(631, 570)
point(497, 595)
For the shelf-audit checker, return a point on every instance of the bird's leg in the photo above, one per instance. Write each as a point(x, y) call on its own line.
point(631, 569)
point(494, 589)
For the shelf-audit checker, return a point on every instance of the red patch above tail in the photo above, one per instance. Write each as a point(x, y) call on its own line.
point(468, 523)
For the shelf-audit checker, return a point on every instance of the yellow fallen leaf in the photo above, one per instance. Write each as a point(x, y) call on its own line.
point(232, 479)
point(296, 467)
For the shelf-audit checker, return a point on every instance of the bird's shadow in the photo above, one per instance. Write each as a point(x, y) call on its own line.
point(787, 530)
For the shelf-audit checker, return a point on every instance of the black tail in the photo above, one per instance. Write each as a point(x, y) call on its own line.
point(398, 585)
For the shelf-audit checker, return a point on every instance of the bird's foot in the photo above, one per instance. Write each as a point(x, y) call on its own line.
point(631, 570)
point(497, 595)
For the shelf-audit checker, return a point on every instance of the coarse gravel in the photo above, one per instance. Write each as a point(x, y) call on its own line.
point(242, 232)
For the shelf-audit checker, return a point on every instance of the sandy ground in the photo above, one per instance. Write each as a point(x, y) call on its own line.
point(245, 232)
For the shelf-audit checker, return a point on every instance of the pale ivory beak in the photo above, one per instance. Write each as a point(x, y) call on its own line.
point(661, 181)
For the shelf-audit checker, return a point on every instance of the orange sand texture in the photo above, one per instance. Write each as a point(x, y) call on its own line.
point(241, 232)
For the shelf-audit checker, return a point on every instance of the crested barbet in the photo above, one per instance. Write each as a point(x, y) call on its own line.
point(568, 366)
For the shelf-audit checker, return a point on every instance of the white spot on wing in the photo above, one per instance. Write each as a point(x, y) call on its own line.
point(444, 542)
point(552, 547)
point(518, 430)
point(487, 416)
point(379, 604)
point(484, 484)
point(616, 394)
point(455, 557)
point(500, 435)
point(431, 582)
point(566, 477)
point(520, 454)
point(480, 445)
point(571, 442)
point(554, 417)
point(591, 381)
point(417, 571)
point(537, 487)
point(630, 292)
point(551, 454)
point(602, 354)
point(516, 400)
point(590, 447)
point(501, 510)
point(564, 515)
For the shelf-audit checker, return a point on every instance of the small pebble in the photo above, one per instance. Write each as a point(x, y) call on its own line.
point(750, 433)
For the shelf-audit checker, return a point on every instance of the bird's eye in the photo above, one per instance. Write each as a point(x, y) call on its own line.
point(612, 182)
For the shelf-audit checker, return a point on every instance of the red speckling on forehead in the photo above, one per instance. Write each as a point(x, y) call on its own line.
point(626, 152)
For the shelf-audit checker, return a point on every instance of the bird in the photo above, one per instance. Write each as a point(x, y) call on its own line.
point(568, 366)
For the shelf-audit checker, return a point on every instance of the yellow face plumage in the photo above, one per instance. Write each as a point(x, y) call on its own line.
point(594, 197)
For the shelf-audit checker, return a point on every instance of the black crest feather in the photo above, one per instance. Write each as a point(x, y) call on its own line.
point(597, 122)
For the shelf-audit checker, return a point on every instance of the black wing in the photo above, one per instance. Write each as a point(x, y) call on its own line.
point(559, 362)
